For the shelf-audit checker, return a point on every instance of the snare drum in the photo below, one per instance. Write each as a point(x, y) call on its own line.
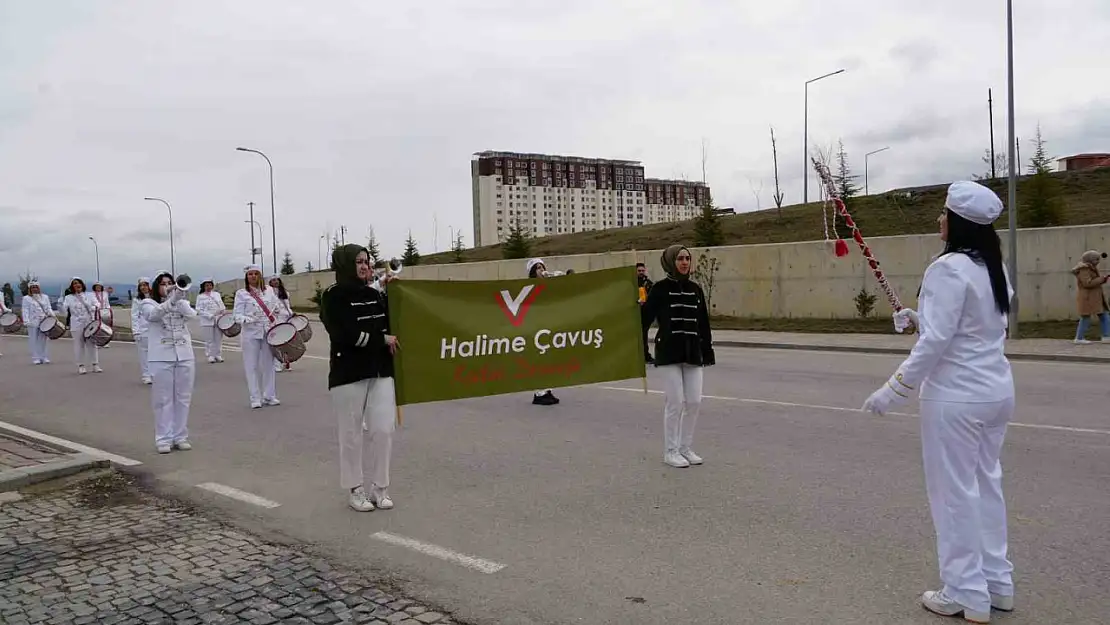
point(304, 329)
point(10, 323)
point(227, 325)
point(98, 333)
point(52, 327)
point(286, 345)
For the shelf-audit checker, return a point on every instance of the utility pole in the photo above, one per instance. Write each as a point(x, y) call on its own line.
point(254, 249)
point(990, 107)
point(342, 235)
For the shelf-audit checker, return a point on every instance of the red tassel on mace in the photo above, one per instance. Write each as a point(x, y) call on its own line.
point(841, 248)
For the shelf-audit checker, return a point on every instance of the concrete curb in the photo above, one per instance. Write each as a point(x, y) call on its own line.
point(856, 349)
point(22, 477)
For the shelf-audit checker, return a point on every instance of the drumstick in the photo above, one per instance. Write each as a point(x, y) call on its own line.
point(400, 419)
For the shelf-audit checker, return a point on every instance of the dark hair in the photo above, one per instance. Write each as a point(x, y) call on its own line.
point(981, 244)
point(155, 289)
point(247, 281)
point(535, 268)
point(139, 290)
point(70, 291)
point(97, 285)
point(281, 292)
point(638, 265)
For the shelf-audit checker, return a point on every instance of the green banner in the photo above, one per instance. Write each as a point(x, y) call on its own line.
point(475, 338)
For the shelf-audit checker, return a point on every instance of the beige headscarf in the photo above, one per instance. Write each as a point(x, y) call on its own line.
point(1089, 260)
point(670, 262)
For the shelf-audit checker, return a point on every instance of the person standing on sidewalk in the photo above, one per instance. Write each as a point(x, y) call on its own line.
point(139, 328)
point(209, 306)
point(1090, 297)
point(360, 375)
point(254, 309)
point(967, 401)
point(284, 313)
point(80, 307)
point(683, 348)
point(644, 284)
point(537, 269)
point(172, 361)
point(36, 307)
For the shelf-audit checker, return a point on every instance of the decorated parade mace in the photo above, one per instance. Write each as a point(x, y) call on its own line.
point(842, 247)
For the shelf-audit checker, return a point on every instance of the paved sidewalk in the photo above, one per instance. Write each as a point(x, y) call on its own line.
point(24, 462)
point(103, 552)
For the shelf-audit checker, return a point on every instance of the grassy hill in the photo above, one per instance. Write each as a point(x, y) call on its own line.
point(1086, 200)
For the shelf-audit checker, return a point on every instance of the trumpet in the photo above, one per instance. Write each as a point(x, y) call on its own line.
point(386, 272)
point(551, 274)
point(181, 287)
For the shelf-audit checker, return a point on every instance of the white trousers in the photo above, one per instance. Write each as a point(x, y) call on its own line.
point(171, 395)
point(143, 345)
point(84, 352)
point(258, 362)
point(213, 341)
point(682, 386)
point(961, 444)
point(38, 343)
point(372, 401)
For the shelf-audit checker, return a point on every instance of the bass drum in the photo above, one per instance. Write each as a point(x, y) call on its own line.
point(10, 323)
point(227, 325)
point(52, 328)
point(304, 328)
point(98, 333)
point(286, 345)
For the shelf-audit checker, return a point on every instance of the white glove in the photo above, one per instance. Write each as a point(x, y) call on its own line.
point(890, 394)
point(904, 318)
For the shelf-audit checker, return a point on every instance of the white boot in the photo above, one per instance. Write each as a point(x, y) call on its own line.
point(675, 459)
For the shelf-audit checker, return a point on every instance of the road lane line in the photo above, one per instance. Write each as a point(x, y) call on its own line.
point(61, 442)
point(240, 495)
point(787, 404)
point(477, 564)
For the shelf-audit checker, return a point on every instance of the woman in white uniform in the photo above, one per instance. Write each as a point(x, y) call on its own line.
point(139, 328)
point(172, 361)
point(102, 307)
point(967, 400)
point(283, 313)
point(36, 307)
point(81, 308)
point(209, 306)
point(254, 309)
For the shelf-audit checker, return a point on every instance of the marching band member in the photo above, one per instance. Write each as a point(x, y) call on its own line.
point(81, 308)
point(209, 306)
point(683, 348)
point(967, 400)
point(139, 328)
point(254, 306)
point(360, 375)
point(283, 313)
point(3, 309)
point(36, 307)
point(167, 312)
point(102, 307)
point(537, 269)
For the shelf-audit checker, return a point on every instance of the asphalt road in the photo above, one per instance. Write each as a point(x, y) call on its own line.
point(805, 511)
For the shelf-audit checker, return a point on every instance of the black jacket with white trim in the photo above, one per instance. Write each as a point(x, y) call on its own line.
point(684, 336)
point(357, 321)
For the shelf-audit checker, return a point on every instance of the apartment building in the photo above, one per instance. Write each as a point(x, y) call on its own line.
point(550, 194)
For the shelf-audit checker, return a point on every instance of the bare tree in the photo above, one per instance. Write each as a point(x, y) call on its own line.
point(775, 158)
point(756, 192)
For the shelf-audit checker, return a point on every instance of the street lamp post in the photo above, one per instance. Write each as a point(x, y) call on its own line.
point(173, 268)
point(262, 265)
point(96, 248)
point(1012, 195)
point(805, 137)
point(319, 255)
point(273, 219)
point(866, 187)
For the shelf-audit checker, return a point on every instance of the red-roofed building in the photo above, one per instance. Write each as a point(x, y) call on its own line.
point(1082, 161)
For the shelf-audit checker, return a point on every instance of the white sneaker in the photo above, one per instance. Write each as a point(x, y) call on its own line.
point(36, 362)
point(164, 449)
point(81, 370)
point(359, 501)
point(97, 369)
point(937, 602)
point(273, 401)
point(690, 456)
point(45, 361)
point(255, 405)
point(1081, 342)
point(183, 445)
point(380, 498)
point(211, 360)
point(1002, 603)
point(675, 459)
point(148, 380)
point(219, 358)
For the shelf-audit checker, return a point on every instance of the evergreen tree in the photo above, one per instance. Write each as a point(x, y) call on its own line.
point(287, 267)
point(411, 256)
point(457, 248)
point(24, 280)
point(518, 244)
point(372, 246)
point(707, 227)
point(308, 267)
point(1041, 206)
point(845, 181)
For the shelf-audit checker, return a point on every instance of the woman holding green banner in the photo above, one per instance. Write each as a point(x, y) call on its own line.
point(360, 376)
point(683, 348)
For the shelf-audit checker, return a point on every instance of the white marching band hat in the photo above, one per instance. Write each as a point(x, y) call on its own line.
point(252, 268)
point(144, 279)
point(973, 202)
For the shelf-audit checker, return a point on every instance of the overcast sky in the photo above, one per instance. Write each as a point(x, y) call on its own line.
point(371, 110)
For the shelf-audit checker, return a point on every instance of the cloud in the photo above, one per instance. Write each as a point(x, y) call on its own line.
point(916, 56)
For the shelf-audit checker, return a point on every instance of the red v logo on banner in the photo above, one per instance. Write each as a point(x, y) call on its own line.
point(516, 307)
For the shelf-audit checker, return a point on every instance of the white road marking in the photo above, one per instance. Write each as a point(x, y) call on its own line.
point(478, 564)
point(241, 495)
point(61, 442)
point(788, 404)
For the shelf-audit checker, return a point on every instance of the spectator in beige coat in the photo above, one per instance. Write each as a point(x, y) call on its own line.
point(1090, 297)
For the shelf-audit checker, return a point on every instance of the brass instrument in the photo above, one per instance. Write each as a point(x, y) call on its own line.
point(386, 273)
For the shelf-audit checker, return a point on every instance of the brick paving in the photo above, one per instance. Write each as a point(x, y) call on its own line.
point(16, 453)
point(103, 552)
